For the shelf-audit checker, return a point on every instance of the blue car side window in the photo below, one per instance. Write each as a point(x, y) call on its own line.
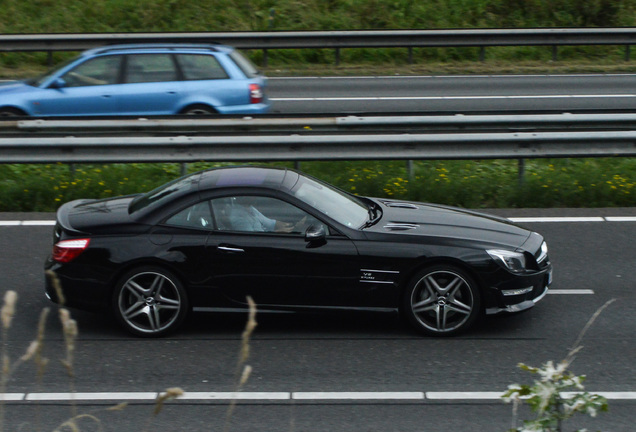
point(144, 68)
point(201, 67)
point(97, 71)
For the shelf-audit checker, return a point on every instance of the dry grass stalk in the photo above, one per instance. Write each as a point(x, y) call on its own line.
point(6, 315)
point(250, 326)
point(243, 371)
point(8, 309)
point(57, 286)
point(169, 394)
point(71, 424)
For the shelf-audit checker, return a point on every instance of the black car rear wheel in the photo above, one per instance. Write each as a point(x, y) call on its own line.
point(442, 300)
point(150, 302)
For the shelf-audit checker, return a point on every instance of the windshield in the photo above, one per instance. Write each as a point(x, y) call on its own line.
point(338, 205)
point(43, 78)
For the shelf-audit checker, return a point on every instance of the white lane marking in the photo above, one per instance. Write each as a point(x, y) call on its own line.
point(290, 78)
point(235, 396)
point(620, 218)
point(92, 396)
point(463, 395)
point(571, 291)
point(27, 223)
point(38, 223)
point(557, 219)
point(11, 397)
point(357, 395)
point(433, 98)
point(279, 396)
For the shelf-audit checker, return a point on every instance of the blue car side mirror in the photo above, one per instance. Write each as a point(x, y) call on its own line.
point(58, 83)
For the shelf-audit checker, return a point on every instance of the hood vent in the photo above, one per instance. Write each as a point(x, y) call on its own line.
point(400, 226)
point(398, 204)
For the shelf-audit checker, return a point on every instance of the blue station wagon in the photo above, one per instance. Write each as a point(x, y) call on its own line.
point(148, 79)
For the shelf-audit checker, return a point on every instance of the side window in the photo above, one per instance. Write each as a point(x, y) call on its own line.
point(98, 71)
point(196, 216)
point(201, 67)
point(143, 68)
point(260, 214)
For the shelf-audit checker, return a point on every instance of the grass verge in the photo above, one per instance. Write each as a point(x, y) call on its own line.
point(600, 182)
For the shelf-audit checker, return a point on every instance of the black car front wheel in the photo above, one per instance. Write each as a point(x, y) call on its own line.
point(150, 302)
point(442, 300)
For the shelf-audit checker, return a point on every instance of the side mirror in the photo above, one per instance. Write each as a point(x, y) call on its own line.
point(58, 83)
point(315, 236)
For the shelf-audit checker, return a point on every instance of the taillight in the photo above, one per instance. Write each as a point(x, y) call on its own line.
point(67, 250)
point(256, 94)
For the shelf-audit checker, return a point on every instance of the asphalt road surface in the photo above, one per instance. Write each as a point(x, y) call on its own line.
point(453, 94)
point(353, 372)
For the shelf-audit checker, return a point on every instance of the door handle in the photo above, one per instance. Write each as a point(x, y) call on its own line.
point(230, 249)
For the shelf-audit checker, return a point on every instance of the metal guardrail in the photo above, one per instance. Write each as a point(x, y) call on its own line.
point(284, 124)
point(335, 39)
point(317, 147)
point(332, 39)
point(277, 138)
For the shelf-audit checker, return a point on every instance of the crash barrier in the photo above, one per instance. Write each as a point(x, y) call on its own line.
point(337, 40)
point(295, 146)
point(294, 124)
point(273, 138)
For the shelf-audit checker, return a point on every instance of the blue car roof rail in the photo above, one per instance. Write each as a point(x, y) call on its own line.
point(151, 46)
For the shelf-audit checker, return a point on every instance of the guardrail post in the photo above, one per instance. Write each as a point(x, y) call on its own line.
point(521, 173)
point(554, 52)
point(265, 57)
point(409, 169)
point(627, 52)
point(410, 55)
point(337, 56)
point(482, 54)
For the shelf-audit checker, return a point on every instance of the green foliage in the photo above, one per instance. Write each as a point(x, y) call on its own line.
point(548, 398)
point(77, 16)
point(551, 396)
point(470, 184)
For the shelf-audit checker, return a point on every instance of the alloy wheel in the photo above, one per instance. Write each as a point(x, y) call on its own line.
point(443, 301)
point(150, 303)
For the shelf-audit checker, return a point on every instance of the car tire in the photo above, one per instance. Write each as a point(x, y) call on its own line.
point(195, 110)
point(150, 302)
point(442, 300)
point(11, 112)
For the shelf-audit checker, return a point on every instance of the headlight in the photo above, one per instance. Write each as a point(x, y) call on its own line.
point(513, 261)
point(544, 252)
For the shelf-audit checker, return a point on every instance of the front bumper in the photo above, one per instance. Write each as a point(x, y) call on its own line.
point(520, 293)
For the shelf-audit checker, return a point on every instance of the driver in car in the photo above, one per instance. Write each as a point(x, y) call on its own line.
point(246, 217)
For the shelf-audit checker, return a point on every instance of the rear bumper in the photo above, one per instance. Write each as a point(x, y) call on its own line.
point(259, 108)
point(85, 294)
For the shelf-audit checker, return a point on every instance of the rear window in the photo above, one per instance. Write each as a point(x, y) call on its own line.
point(164, 194)
point(246, 66)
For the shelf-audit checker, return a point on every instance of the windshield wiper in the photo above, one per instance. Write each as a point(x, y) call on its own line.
point(375, 214)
